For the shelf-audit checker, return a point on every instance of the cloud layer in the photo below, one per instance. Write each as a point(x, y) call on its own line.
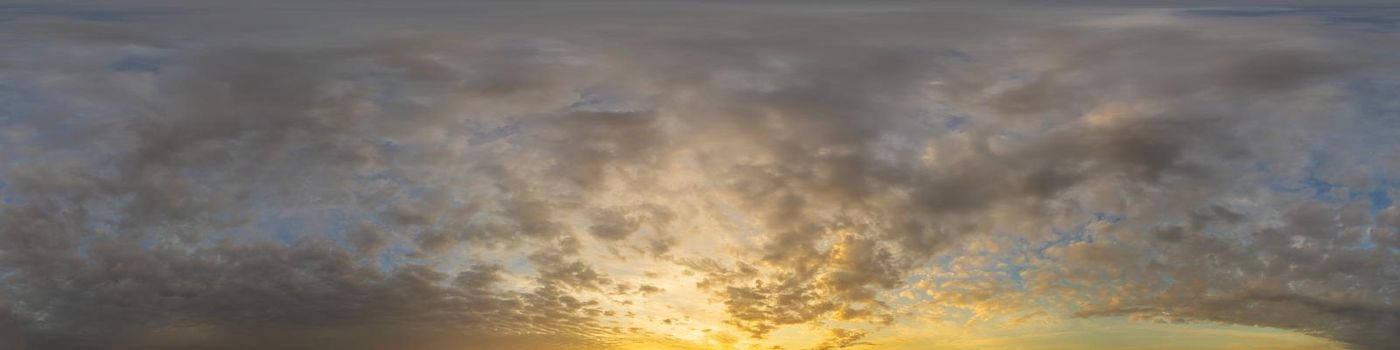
point(689, 176)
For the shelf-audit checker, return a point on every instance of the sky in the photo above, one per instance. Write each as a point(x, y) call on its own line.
point(687, 175)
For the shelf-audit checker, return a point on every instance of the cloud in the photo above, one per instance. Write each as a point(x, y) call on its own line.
point(509, 182)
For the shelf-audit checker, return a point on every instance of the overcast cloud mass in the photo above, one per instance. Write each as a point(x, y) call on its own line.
point(692, 175)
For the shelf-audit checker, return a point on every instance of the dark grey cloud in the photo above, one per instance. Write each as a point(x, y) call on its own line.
point(1285, 276)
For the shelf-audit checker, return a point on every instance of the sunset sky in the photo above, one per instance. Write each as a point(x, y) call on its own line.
point(688, 175)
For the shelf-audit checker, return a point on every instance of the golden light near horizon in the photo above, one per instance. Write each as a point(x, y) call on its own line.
point(691, 175)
